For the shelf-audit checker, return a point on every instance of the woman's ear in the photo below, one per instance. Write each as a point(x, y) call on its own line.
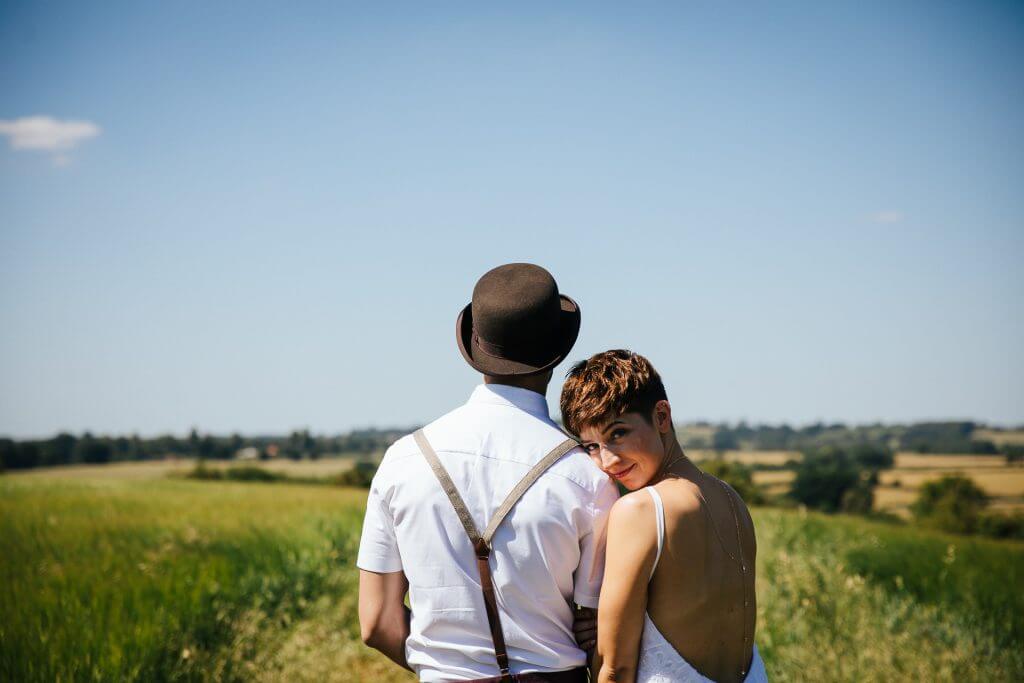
point(663, 416)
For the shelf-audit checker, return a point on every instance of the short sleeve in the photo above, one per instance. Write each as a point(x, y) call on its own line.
point(590, 572)
point(378, 547)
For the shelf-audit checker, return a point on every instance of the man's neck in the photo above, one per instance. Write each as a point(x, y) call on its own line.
point(538, 383)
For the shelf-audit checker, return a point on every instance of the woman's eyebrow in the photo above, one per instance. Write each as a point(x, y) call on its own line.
point(612, 424)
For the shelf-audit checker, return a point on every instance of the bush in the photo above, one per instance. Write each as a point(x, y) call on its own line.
point(872, 457)
point(237, 473)
point(724, 440)
point(250, 473)
point(983, 448)
point(205, 472)
point(360, 475)
point(860, 498)
point(824, 477)
point(1014, 453)
point(1002, 526)
point(953, 503)
point(736, 475)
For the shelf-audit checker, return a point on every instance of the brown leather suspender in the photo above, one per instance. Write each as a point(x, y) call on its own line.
point(482, 543)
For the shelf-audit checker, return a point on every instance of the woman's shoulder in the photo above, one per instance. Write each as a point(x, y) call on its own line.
point(633, 504)
point(632, 531)
point(682, 497)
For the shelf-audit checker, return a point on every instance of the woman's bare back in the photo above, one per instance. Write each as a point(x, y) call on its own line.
point(701, 596)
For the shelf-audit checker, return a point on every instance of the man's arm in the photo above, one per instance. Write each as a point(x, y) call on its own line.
point(590, 572)
point(383, 616)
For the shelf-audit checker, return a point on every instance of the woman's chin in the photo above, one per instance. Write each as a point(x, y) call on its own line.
point(637, 480)
point(631, 482)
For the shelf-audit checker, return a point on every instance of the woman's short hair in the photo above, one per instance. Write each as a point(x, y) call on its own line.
point(607, 385)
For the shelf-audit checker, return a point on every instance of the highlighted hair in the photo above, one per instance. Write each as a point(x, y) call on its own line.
point(607, 385)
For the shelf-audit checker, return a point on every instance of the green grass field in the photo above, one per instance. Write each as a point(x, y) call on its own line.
point(106, 578)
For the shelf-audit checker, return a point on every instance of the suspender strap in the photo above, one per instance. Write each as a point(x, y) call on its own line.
point(448, 485)
point(482, 544)
point(515, 494)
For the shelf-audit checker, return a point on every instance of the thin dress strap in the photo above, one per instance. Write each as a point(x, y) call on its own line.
point(659, 513)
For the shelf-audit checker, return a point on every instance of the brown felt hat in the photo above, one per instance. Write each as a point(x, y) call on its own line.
point(517, 323)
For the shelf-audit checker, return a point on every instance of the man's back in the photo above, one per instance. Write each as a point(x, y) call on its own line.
point(546, 554)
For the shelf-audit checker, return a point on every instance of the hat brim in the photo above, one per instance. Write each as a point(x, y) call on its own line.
point(487, 364)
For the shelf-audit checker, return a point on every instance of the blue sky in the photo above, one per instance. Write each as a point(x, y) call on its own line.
point(797, 211)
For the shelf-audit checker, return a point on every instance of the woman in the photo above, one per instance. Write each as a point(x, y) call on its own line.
point(677, 603)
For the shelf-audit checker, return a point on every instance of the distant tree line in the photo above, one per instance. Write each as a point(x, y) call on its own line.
point(68, 449)
point(832, 479)
point(64, 448)
point(922, 437)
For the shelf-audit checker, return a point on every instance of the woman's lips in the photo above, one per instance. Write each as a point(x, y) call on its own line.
point(620, 474)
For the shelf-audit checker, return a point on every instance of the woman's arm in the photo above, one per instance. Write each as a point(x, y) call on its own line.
point(632, 547)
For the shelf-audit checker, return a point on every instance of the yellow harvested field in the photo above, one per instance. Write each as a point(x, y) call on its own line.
point(930, 460)
point(897, 501)
point(746, 457)
point(153, 469)
point(999, 436)
point(1007, 505)
point(706, 432)
point(774, 478)
point(1008, 481)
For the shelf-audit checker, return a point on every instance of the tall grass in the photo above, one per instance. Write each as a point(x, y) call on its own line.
point(178, 580)
point(842, 598)
point(166, 580)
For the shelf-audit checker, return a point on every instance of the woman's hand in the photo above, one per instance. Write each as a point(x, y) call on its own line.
point(584, 626)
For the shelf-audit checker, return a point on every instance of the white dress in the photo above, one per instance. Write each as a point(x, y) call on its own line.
point(659, 661)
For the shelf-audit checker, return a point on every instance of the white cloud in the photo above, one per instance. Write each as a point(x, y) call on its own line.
point(887, 216)
point(47, 133)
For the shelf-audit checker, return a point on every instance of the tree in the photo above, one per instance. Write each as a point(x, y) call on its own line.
point(92, 450)
point(8, 453)
point(59, 450)
point(872, 457)
point(823, 478)
point(736, 475)
point(360, 474)
point(952, 503)
point(724, 440)
point(859, 499)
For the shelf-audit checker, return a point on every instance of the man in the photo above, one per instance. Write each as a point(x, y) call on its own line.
point(492, 606)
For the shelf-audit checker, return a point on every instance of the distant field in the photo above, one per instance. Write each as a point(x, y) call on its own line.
point(1000, 437)
point(125, 577)
point(898, 487)
point(774, 458)
point(897, 490)
point(150, 469)
point(906, 461)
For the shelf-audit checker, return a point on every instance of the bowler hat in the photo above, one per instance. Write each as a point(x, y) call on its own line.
point(517, 323)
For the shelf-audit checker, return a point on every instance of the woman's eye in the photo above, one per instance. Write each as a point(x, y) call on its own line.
point(618, 433)
point(590, 447)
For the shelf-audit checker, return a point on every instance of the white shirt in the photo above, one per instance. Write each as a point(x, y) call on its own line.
point(547, 553)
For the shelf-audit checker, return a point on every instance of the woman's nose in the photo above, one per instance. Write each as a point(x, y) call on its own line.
point(608, 458)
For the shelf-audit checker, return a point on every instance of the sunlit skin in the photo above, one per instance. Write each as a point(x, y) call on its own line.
point(631, 449)
point(696, 600)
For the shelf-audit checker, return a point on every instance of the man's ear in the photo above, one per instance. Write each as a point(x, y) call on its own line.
point(663, 416)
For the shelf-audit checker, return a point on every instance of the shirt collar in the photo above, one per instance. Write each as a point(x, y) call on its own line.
point(502, 394)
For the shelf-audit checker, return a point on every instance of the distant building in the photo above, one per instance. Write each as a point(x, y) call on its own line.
point(247, 453)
